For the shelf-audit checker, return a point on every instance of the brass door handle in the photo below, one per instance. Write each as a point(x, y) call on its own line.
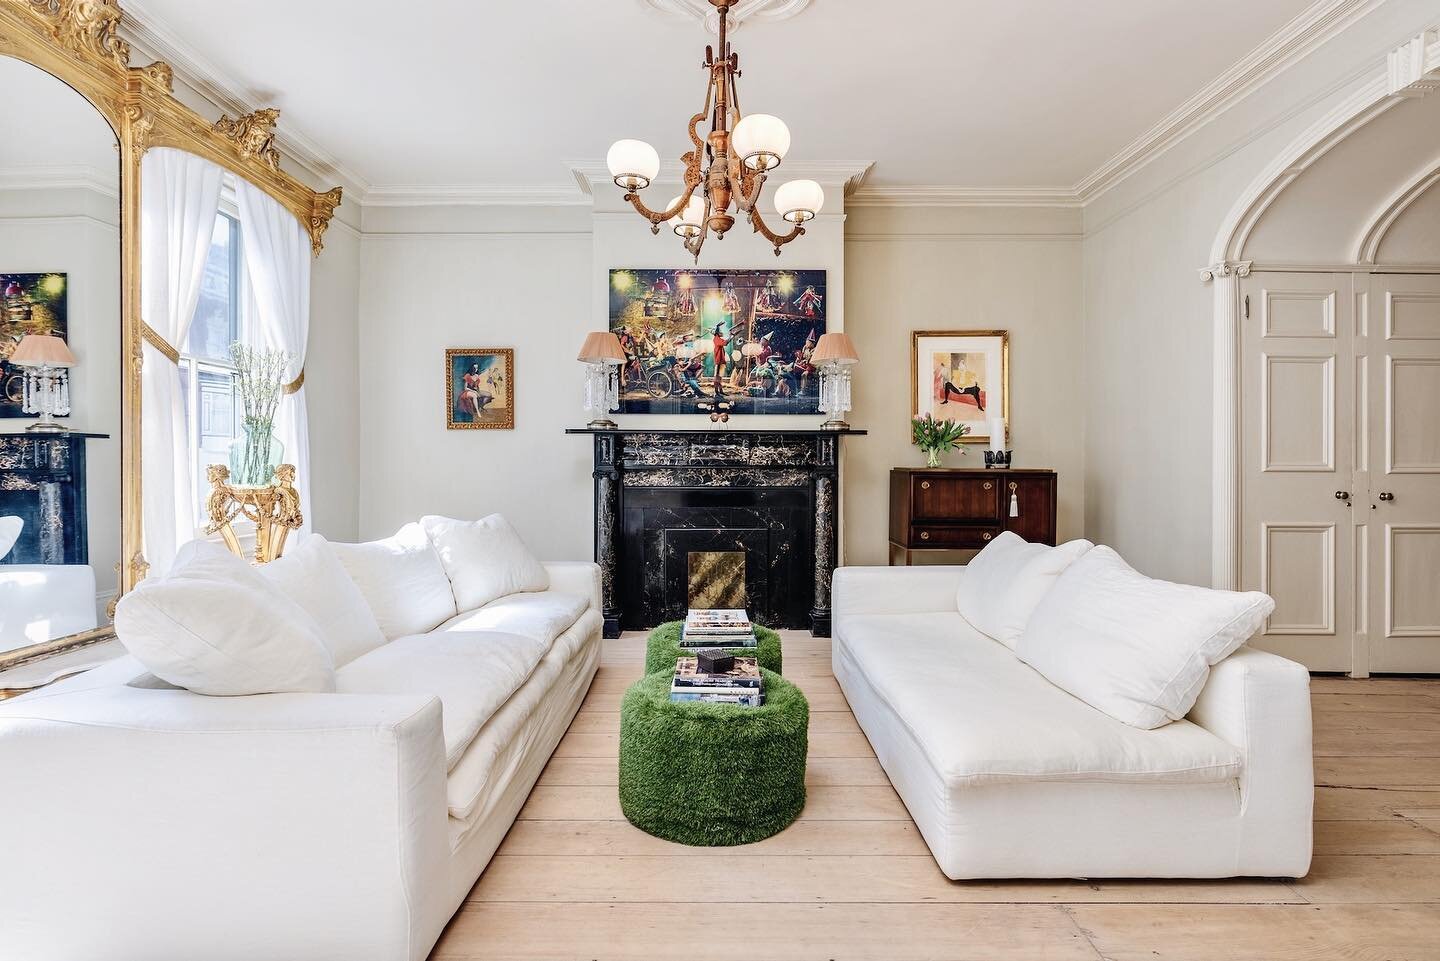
point(1342, 495)
point(989, 486)
point(924, 535)
point(986, 536)
point(924, 485)
point(1386, 496)
point(1014, 486)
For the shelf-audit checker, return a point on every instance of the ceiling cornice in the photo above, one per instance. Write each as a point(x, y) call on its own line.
point(472, 195)
point(942, 196)
point(60, 177)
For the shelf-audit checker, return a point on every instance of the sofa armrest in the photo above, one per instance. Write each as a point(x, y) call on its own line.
point(576, 577)
point(286, 825)
point(894, 590)
point(1260, 703)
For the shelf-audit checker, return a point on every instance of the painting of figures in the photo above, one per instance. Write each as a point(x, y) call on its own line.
point(694, 338)
point(29, 304)
point(962, 375)
point(480, 388)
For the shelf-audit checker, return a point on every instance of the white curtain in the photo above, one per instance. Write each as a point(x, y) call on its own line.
point(277, 259)
point(179, 200)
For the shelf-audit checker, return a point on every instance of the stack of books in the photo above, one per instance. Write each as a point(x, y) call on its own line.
point(717, 628)
point(739, 685)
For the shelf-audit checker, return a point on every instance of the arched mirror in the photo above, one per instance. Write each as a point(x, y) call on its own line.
point(61, 408)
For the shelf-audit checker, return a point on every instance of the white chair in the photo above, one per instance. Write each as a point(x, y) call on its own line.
point(40, 602)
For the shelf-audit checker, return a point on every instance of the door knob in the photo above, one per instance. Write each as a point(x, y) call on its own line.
point(1386, 496)
point(1342, 495)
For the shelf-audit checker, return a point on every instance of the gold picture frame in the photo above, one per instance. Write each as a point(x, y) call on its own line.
point(994, 345)
point(480, 388)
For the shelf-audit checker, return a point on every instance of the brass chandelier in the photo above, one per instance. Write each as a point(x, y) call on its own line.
point(731, 164)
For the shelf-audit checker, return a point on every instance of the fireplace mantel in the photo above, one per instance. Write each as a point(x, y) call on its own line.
point(774, 494)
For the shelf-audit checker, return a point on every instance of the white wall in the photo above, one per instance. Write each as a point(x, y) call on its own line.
point(334, 390)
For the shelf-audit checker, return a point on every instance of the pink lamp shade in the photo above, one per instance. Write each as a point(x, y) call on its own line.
point(42, 350)
point(835, 349)
point(601, 347)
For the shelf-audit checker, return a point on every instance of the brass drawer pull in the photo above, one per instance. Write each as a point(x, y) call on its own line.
point(925, 535)
point(924, 485)
point(1014, 486)
point(989, 486)
point(986, 536)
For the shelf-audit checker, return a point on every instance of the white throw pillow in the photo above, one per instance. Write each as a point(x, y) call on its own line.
point(215, 626)
point(1004, 582)
point(10, 528)
point(311, 576)
point(1136, 648)
point(484, 559)
point(402, 579)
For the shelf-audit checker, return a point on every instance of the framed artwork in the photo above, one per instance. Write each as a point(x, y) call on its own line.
point(29, 304)
point(961, 375)
point(700, 337)
point(480, 388)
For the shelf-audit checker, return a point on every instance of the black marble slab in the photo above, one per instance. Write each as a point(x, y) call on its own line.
point(42, 481)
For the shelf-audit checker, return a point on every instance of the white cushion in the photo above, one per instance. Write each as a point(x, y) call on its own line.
point(402, 579)
point(311, 576)
point(983, 717)
point(543, 616)
point(1006, 580)
point(472, 673)
point(484, 559)
point(215, 626)
point(10, 528)
point(1136, 648)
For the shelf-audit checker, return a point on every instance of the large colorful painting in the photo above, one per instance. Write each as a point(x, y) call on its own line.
point(695, 338)
point(961, 375)
point(480, 388)
point(29, 304)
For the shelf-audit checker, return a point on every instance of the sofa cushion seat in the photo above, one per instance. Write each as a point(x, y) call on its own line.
point(980, 715)
point(543, 615)
point(473, 673)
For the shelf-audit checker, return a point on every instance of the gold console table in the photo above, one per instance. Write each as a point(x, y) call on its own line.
point(273, 509)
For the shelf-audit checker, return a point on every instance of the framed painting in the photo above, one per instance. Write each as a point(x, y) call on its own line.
point(961, 375)
point(695, 338)
point(480, 388)
point(29, 304)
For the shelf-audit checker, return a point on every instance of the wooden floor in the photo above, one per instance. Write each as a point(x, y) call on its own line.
point(852, 879)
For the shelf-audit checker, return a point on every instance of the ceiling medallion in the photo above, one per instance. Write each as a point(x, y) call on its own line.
point(730, 165)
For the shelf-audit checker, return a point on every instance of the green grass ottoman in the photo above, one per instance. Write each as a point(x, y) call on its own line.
point(712, 774)
point(662, 649)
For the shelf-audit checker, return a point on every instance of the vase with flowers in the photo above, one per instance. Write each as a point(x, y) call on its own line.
point(935, 437)
point(257, 452)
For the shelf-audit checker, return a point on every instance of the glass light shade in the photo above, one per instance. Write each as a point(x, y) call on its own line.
point(799, 200)
point(687, 223)
point(761, 140)
point(633, 164)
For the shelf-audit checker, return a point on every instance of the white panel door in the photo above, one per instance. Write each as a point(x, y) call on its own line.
point(1403, 570)
point(1298, 461)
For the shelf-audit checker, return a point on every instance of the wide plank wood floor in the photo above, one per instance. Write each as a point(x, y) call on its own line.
point(852, 880)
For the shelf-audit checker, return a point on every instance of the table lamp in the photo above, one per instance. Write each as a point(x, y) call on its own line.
point(603, 356)
point(835, 354)
point(47, 380)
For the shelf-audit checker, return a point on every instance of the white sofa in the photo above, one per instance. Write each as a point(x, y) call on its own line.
point(1008, 776)
point(141, 822)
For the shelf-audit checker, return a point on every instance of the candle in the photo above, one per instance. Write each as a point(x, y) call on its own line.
point(997, 434)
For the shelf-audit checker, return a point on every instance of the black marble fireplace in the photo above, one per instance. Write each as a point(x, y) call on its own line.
point(671, 503)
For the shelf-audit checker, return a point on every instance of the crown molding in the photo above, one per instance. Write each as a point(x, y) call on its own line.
point(703, 11)
point(474, 195)
point(943, 196)
point(60, 177)
point(851, 173)
point(145, 32)
point(1314, 26)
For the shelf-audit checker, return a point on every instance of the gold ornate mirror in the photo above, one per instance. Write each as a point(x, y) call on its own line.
point(80, 121)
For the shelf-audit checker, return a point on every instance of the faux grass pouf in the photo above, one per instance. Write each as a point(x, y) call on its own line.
point(663, 648)
point(712, 774)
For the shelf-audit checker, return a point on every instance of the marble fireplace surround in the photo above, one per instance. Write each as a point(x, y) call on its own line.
point(662, 494)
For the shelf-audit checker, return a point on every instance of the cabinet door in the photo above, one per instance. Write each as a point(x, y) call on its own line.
point(955, 497)
point(1032, 515)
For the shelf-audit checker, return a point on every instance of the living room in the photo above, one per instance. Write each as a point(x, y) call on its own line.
point(1014, 424)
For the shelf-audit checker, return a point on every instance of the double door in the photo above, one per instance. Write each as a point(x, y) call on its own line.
point(1340, 467)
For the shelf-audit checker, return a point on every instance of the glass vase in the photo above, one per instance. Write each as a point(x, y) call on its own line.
point(254, 456)
point(932, 456)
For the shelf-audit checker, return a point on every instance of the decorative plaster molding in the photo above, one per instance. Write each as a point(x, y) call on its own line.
point(471, 195)
point(942, 196)
point(61, 177)
point(1414, 66)
point(1226, 268)
point(852, 173)
point(742, 11)
point(1368, 248)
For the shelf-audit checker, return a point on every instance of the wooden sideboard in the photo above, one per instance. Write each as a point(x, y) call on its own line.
point(963, 508)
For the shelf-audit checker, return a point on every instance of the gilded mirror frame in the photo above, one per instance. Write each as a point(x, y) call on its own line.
point(78, 43)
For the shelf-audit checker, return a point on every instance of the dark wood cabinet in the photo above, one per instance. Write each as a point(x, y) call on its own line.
point(964, 508)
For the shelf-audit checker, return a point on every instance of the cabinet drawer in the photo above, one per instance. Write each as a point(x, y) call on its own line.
point(952, 498)
point(931, 535)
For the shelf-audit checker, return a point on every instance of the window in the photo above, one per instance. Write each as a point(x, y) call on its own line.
point(207, 377)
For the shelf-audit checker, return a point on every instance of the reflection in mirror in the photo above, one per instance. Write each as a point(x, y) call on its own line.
point(60, 329)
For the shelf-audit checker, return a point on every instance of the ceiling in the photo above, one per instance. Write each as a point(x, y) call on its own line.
point(962, 93)
point(53, 136)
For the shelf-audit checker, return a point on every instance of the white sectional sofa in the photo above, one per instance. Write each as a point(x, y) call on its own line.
point(1009, 776)
point(143, 822)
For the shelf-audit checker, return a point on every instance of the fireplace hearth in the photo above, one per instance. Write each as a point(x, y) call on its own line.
point(723, 514)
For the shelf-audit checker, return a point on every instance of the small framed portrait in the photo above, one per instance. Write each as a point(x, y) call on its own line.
point(480, 388)
point(962, 375)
